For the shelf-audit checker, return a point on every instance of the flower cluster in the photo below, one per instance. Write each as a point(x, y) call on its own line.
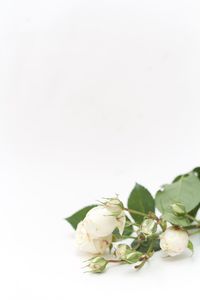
point(100, 229)
point(94, 233)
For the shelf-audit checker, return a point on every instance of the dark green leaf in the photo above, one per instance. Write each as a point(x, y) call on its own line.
point(194, 211)
point(140, 200)
point(190, 246)
point(144, 245)
point(128, 230)
point(78, 216)
point(177, 178)
point(197, 171)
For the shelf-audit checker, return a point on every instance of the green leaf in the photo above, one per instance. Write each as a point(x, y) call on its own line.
point(194, 211)
point(186, 191)
point(128, 230)
point(190, 246)
point(197, 171)
point(144, 245)
point(176, 220)
point(181, 220)
point(78, 216)
point(177, 178)
point(141, 200)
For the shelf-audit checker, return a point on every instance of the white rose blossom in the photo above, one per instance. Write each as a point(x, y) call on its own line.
point(100, 222)
point(88, 244)
point(174, 241)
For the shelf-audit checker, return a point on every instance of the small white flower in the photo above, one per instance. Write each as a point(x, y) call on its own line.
point(87, 244)
point(100, 222)
point(174, 241)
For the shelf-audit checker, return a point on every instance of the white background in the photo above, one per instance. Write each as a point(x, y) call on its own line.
point(94, 96)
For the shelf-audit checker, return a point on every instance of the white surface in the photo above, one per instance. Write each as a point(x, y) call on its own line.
point(94, 96)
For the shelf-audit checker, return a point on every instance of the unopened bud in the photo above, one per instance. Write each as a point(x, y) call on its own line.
point(178, 209)
point(114, 205)
point(121, 251)
point(132, 257)
point(97, 264)
point(148, 227)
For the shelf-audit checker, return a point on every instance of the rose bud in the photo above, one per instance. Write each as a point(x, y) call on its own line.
point(87, 244)
point(132, 256)
point(100, 222)
point(178, 209)
point(114, 205)
point(148, 227)
point(97, 264)
point(121, 250)
point(174, 241)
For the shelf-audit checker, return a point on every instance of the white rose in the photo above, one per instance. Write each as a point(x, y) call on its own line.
point(100, 222)
point(174, 241)
point(87, 244)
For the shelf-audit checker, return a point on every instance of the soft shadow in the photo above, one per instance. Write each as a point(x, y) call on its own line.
point(180, 257)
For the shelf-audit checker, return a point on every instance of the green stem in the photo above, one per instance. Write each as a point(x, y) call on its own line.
point(137, 245)
point(162, 224)
point(136, 212)
point(138, 267)
point(194, 226)
point(193, 219)
point(114, 261)
point(127, 237)
point(195, 232)
point(150, 247)
point(147, 256)
point(133, 224)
